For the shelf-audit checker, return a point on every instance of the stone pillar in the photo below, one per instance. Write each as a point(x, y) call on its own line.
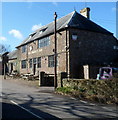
point(60, 77)
point(86, 71)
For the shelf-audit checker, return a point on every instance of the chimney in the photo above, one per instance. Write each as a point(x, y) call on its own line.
point(85, 12)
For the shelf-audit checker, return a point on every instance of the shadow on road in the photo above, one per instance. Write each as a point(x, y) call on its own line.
point(13, 112)
point(48, 106)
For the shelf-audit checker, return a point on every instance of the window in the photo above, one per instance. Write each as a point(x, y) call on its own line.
point(115, 47)
point(74, 36)
point(41, 31)
point(24, 48)
point(43, 42)
point(14, 63)
point(32, 34)
point(39, 62)
point(30, 63)
point(51, 61)
point(34, 60)
point(23, 64)
point(30, 48)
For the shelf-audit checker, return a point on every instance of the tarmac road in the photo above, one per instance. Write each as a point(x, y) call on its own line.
point(26, 102)
point(13, 112)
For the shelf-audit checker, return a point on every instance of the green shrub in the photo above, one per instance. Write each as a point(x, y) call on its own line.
point(64, 89)
point(82, 89)
point(103, 91)
point(75, 87)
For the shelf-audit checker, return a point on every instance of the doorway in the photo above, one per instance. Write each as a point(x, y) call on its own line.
point(34, 69)
point(11, 68)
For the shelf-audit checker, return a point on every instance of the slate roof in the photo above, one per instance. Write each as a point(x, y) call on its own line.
point(74, 19)
point(12, 55)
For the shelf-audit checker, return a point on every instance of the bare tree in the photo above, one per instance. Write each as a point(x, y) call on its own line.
point(4, 48)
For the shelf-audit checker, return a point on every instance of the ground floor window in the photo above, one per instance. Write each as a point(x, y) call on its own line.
point(51, 61)
point(39, 62)
point(34, 60)
point(30, 63)
point(23, 64)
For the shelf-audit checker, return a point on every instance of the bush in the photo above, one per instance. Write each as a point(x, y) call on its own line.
point(64, 89)
point(103, 91)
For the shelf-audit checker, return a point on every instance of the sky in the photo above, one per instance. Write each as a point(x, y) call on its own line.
point(19, 19)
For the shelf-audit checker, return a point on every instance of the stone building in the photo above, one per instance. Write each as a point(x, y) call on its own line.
point(82, 47)
point(0, 64)
point(12, 63)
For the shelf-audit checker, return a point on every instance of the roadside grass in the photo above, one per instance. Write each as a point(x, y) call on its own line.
point(102, 91)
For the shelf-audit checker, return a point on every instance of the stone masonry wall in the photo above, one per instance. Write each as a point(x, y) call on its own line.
point(91, 48)
point(44, 52)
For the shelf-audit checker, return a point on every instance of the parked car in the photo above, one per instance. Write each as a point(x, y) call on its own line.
point(107, 73)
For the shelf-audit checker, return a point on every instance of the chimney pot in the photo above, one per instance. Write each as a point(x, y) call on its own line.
point(85, 12)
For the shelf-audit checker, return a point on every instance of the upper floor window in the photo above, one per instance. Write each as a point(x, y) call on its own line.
point(115, 47)
point(30, 48)
point(44, 42)
point(42, 30)
point(23, 64)
point(34, 60)
point(74, 36)
point(39, 62)
point(24, 48)
point(51, 61)
point(32, 34)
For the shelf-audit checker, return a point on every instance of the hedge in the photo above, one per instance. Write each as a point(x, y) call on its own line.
point(103, 91)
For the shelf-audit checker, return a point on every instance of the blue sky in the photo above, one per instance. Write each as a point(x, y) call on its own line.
point(19, 19)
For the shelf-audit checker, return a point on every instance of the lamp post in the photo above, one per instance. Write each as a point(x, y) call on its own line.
point(4, 70)
point(55, 51)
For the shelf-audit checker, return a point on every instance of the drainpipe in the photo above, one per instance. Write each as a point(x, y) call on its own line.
point(4, 71)
point(67, 54)
point(27, 58)
point(55, 52)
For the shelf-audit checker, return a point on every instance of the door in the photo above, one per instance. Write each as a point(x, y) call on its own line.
point(11, 68)
point(34, 69)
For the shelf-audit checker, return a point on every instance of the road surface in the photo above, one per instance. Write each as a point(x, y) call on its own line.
point(26, 102)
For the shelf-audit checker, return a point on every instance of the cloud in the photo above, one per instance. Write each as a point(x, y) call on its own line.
point(16, 33)
point(2, 38)
point(35, 27)
point(55, 3)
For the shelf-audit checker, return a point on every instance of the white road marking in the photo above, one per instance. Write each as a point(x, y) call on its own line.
point(92, 104)
point(73, 98)
point(26, 110)
point(83, 101)
point(107, 108)
point(87, 102)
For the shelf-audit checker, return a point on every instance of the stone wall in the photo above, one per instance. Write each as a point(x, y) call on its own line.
point(44, 52)
point(60, 78)
point(91, 48)
point(14, 62)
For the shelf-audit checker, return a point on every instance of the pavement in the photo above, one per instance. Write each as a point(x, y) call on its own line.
point(42, 103)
